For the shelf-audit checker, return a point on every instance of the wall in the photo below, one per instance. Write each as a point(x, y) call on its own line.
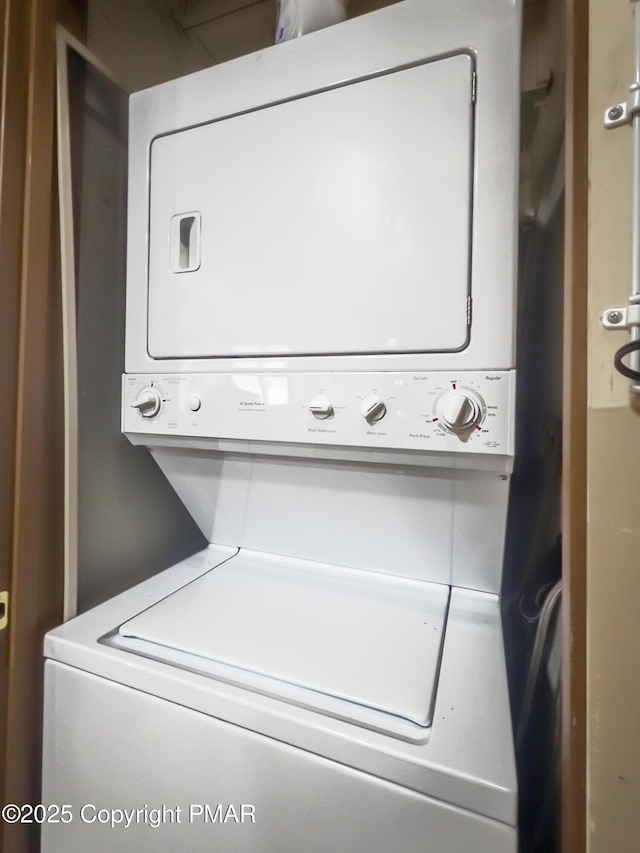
point(180, 37)
point(613, 527)
point(130, 522)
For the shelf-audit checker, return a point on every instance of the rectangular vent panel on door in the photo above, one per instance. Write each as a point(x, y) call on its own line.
point(344, 217)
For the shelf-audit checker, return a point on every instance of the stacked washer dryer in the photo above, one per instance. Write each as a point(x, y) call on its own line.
point(319, 355)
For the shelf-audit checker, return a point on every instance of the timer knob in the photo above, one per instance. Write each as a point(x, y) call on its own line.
point(373, 408)
point(321, 407)
point(148, 403)
point(459, 411)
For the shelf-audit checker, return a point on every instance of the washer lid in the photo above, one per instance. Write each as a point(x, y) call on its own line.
point(358, 645)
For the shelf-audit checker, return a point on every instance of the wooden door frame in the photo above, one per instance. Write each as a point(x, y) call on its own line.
point(574, 490)
point(13, 96)
point(31, 554)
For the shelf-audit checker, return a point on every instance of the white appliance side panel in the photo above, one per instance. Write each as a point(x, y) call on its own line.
point(146, 753)
point(479, 526)
point(334, 223)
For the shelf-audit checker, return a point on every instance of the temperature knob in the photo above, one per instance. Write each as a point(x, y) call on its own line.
point(321, 407)
point(373, 408)
point(148, 403)
point(459, 411)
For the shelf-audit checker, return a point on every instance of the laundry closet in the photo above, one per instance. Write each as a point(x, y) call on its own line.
point(336, 384)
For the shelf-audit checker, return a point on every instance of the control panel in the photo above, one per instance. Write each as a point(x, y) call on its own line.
point(468, 412)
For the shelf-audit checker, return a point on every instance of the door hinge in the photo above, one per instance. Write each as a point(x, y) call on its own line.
point(4, 610)
point(469, 302)
point(474, 84)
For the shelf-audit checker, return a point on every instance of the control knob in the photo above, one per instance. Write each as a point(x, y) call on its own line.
point(321, 407)
point(459, 411)
point(148, 403)
point(373, 408)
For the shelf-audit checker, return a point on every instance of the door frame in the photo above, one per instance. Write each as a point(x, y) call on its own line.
point(31, 553)
point(574, 489)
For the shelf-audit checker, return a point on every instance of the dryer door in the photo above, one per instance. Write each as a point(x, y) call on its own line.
point(334, 223)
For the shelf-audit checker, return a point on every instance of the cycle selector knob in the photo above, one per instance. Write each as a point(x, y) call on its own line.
point(321, 407)
point(459, 411)
point(148, 403)
point(373, 408)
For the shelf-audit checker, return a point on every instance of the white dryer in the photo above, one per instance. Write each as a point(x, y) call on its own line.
point(320, 357)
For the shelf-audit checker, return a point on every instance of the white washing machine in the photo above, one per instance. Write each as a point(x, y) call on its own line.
point(320, 357)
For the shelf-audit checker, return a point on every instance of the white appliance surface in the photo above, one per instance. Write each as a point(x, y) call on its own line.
point(344, 233)
point(331, 204)
point(220, 787)
point(466, 761)
point(280, 408)
point(306, 364)
point(342, 640)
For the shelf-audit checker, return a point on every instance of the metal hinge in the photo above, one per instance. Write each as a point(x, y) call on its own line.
point(624, 112)
point(469, 301)
point(474, 85)
point(4, 610)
